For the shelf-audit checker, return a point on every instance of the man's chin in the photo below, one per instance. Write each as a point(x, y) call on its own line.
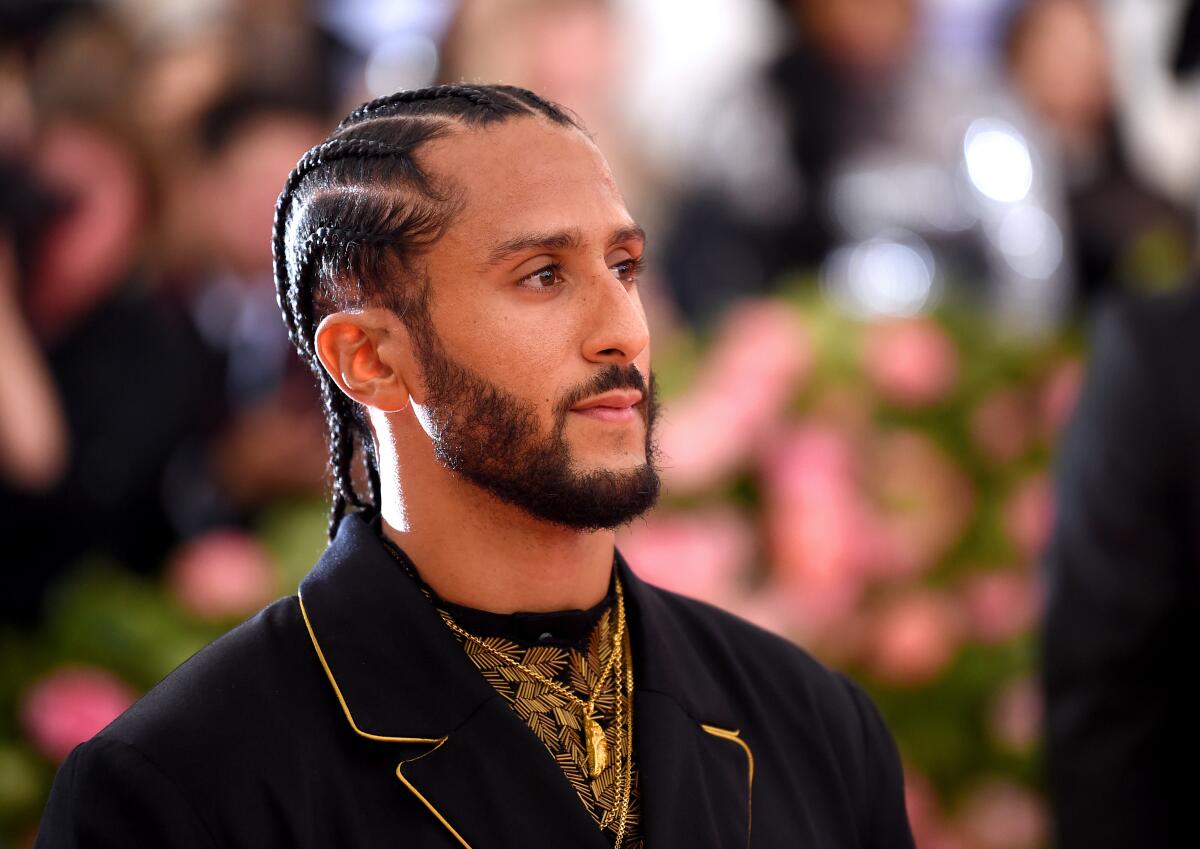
point(624, 466)
point(600, 500)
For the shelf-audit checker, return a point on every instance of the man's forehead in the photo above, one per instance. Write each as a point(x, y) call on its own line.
point(528, 174)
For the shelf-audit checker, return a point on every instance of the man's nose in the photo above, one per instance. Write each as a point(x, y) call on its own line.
point(618, 332)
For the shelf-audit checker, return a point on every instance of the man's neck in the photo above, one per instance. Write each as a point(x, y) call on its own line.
point(475, 551)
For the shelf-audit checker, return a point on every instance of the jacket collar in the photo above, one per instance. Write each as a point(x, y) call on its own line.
point(401, 677)
point(398, 670)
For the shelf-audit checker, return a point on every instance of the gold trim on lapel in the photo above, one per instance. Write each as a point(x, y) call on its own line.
point(733, 736)
point(426, 802)
point(436, 741)
point(342, 701)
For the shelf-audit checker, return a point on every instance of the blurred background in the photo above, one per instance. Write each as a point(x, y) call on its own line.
point(878, 232)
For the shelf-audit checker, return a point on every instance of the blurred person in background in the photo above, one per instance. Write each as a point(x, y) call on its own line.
point(1120, 231)
point(127, 382)
point(153, 173)
point(580, 63)
point(1013, 187)
point(93, 346)
point(840, 87)
point(271, 438)
point(1119, 639)
point(1120, 633)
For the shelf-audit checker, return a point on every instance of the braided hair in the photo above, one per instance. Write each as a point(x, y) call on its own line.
point(351, 222)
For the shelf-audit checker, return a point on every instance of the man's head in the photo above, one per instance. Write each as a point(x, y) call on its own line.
point(470, 244)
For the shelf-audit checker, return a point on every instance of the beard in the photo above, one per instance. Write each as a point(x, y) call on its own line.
point(493, 439)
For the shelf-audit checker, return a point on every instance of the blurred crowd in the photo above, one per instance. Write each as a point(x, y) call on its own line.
point(1021, 160)
point(1024, 157)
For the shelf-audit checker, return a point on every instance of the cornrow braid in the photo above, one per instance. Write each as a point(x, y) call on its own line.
point(300, 310)
point(321, 155)
point(476, 96)
point(536, 101)
point(353, 216)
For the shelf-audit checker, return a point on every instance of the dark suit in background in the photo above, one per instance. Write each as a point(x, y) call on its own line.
point(1122, 631)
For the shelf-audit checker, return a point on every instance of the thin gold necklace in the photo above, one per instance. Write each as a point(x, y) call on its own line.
point(593, 735)
point(624, 722)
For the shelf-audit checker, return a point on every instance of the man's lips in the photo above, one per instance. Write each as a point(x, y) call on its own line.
point(610, 407)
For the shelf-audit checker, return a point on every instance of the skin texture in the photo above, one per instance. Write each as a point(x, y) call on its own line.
point(536, 337)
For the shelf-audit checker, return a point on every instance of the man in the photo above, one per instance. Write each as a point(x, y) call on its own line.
point(1120, 636)
point(471, 663)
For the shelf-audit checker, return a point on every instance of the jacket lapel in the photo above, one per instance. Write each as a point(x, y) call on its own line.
point(696, 771)
point(499, 786)
point(402, 678)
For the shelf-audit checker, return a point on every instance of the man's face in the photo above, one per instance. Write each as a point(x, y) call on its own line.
point(536, 365)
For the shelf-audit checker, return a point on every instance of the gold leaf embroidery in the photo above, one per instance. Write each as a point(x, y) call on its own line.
point(556, 724)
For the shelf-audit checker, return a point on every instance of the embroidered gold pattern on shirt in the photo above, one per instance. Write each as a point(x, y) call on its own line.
point(558, 725)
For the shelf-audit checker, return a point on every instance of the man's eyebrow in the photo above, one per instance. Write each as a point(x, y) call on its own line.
point(632, 233)
point(556, 241)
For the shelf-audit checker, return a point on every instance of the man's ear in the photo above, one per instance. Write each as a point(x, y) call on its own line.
point(365, 352)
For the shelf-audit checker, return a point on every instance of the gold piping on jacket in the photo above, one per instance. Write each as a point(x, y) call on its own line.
point(436, 741)
point(341, 699)
point(426, 802)
point(726, 734)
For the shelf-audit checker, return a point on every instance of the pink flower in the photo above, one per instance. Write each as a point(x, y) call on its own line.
point(701, 439)
point(914, 637)
point(817, 524)
point(1000, 605)
point(222, 574)
point(1002, 425)
point(1060, 395)
point(69, 706)
point(768, 610)
point(1016, 716)
point(929, 828)
point(945, 838)
point(701, 554)
point(911, 362)
point(761, 355)
point(921, 804)
point(1002, 815)
point(1029, 515)
point(923, 503)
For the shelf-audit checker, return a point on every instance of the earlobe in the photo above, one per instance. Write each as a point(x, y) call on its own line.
point(353, 349)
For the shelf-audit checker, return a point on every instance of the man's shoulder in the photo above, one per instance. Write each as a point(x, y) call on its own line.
point(708, 621)
point(231, 691)
point(1159, 328)
point(759, 665)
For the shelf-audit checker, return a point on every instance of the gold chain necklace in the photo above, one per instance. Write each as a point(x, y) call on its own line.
point(624, 722)
point(593, 734)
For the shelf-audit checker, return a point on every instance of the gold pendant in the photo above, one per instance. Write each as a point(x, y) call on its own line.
point(597, 746)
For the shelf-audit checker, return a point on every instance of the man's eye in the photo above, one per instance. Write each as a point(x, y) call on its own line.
point(543, 278)
point(627, 270)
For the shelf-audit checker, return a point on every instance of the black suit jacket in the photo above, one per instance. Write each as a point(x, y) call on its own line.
point(349, 716)
point(1122, 631)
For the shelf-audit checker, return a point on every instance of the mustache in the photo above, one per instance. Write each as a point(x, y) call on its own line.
point(607, 379)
